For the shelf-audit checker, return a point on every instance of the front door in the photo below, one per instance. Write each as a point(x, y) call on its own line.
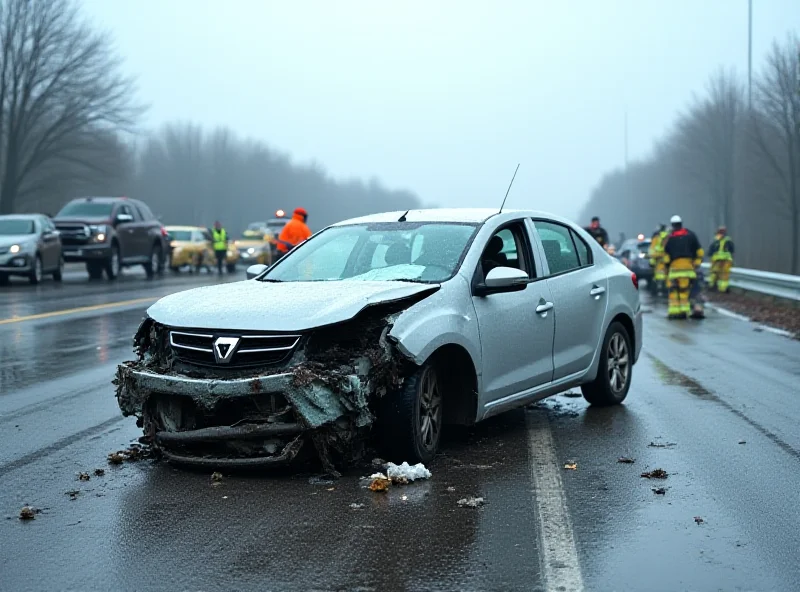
point(516, 328)
point(580, 296)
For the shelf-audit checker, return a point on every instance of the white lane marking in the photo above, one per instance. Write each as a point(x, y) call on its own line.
point(760, 326)
point(559, 554)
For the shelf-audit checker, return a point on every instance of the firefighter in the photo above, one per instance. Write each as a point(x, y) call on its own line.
point(656, 254)
point(721, 251)
point(220, 239)
point(598, 232)
point(682, 256)
point(294, 232)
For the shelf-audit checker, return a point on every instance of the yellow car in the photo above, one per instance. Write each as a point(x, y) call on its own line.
point(190, 246)
point(254, 247)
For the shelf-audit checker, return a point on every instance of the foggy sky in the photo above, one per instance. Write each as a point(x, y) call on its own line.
point(441, 98)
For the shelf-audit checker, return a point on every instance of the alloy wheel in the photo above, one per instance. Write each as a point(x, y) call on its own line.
point(430, 409)
point(618, 363)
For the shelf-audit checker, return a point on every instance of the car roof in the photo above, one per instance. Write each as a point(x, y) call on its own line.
point(21, 216)
point(101, 199)
point(469, 215)
point(184, 228)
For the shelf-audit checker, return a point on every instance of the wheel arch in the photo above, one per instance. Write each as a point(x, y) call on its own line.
point(456, 369)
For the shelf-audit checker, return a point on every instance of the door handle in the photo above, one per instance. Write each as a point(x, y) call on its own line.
point(597, 291)
point(542, 308)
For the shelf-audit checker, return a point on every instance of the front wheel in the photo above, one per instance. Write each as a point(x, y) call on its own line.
point(113, 265)
point(412, 419)
point(58, 274)
point(613, 380)
point(36, 274)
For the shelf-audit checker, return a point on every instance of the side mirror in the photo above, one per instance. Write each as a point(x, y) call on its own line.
point(123, 218)
point(256, 270)
point(503, 279)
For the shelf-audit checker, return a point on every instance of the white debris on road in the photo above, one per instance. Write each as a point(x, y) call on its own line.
point(471, 502)
point(405, 472)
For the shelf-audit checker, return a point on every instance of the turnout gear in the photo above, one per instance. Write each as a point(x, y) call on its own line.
point(598, 232)
point(294, 233)
point(656, 254)
point(682, 255)
point(721, 252)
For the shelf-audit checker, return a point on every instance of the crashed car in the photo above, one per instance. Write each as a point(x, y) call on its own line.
point(380, 331)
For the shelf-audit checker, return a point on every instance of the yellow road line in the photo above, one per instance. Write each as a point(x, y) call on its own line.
point(59, 313)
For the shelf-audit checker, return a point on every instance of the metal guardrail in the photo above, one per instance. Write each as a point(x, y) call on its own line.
point(780, 285)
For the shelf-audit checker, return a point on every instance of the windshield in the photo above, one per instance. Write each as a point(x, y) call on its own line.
point(90, 209)
point(258, 226)
point(421, 252)
point(180, 235)
point(10, 227)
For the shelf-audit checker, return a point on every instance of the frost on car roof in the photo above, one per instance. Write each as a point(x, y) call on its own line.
point(472, 215)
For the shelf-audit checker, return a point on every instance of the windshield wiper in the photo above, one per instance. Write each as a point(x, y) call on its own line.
point(270, 280)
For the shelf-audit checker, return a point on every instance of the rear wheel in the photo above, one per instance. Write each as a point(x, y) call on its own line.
point(37, 272)
point(152, 267)
point(412, 418)
point(613, 380)
point(3, 279)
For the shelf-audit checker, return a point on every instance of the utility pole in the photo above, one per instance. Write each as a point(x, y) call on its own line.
point(750, 54)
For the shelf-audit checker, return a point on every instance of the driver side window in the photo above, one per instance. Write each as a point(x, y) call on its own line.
point(507, 248)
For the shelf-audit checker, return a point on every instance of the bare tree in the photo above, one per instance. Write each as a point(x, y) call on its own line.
point(60, 89)
point(706, 143)
point(777, 117)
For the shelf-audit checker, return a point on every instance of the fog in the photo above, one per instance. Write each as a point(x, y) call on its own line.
point(351, 107)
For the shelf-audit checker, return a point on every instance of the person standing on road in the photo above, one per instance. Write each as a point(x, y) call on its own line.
point(598, 232)
point(682, 255)
point(294, 232)
point(656, 254)
point(721, 251)
point(220, 239)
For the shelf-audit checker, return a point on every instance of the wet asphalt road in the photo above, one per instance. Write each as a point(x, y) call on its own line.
point(718, 399)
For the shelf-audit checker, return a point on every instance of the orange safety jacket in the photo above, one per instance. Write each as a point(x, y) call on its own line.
point(294, 233)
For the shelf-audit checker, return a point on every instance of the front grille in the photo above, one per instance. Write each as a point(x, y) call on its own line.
point(73, 234)
point(251, 350)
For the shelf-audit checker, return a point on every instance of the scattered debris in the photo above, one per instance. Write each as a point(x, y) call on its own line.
point(662, 444)
point(572, 466)
point(470, 502)
point(73, 495)
point(116, 458)
point(378, 463)
point(133, 453)
point(698, 520)
point(28, 513)
point(355, 506)
point(451, 488)
point(742, 441)
point(571, 395)
point(655, 474)
point(99, 472)
point(380, 482)
point(659, 490)
point(402, 474)
point(320, 480)
point(216, 477)
point(83, 476)
point(331, 489)
point(404, 498)
point(625, 460)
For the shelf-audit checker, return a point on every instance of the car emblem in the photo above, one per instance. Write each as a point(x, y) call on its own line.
point(224, 348)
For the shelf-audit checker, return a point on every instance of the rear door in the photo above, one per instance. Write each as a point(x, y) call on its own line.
point(579, 289)
point(128, 234)
point(516, 328)
point(51, 244)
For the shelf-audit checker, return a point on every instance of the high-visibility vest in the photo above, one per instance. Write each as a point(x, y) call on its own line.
point(220, 239)
point(721, 254)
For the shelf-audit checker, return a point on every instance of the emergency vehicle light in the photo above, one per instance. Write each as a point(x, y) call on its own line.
point(640, 237)
point(280, 213)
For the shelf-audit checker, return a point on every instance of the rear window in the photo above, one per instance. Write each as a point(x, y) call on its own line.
point(643, 247)
point(180, 235)
point(92, 209)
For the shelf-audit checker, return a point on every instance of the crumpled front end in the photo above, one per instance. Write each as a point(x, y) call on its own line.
point(276, 398)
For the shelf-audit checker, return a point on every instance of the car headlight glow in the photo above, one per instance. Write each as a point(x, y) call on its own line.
point(15, 249)
point(251, 250)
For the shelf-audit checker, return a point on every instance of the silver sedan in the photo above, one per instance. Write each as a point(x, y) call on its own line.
point(30, 246)
point(384, 329)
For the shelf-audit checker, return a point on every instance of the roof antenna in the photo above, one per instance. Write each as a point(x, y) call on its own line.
point(403, 217)
point(509, 189)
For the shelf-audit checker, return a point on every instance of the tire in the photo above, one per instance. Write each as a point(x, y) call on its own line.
point(405, 434)
point(231, 268)
point(95, 270)
point(113, 265)
point(58, 274)
point(4, 279)
point(36, 275)
point(152, 267)
point(175, 270)
point(602, 391)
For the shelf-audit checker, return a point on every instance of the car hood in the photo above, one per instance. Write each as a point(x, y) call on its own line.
point(251, 242)
point(253, 305)
point(7, 240)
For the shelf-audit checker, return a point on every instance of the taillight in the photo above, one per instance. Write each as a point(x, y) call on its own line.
point(635, 280)
point(164, 231)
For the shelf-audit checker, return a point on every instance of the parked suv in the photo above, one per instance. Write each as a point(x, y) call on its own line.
point(108, 233)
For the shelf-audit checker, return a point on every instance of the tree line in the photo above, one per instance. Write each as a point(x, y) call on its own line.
point(731, 158)
point(69, 122)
